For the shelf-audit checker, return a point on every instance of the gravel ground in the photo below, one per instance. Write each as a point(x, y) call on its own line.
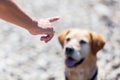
point(24, 57)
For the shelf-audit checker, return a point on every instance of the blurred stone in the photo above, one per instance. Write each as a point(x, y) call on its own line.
point(116, 63)
point(52, 78)
point(102, 10)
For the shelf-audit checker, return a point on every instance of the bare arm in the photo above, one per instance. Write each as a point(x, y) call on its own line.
point(9, 11)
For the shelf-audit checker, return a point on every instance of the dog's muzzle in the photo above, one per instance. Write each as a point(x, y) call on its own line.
point(70, 61)
point(69, 51)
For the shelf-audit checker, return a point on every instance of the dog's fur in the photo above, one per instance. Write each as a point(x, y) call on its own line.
point(80, 44)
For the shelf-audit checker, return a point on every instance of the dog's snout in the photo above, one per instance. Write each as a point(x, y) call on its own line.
point(69, 50)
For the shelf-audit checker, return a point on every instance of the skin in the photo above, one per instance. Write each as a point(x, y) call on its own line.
point(11, 12)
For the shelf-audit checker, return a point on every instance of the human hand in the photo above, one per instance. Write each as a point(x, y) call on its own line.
point(15, 15)
point(45, 27)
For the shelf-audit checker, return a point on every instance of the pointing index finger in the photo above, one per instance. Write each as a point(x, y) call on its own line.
point(53, 19)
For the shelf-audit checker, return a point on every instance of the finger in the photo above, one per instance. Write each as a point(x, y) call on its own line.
point(54, 19)
point(46, 38)
point(43, 38)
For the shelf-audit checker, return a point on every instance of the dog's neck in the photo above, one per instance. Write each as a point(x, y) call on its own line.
point(94, 75)
point(87, 68)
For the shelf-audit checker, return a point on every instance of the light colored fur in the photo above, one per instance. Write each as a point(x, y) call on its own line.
point(93, 43)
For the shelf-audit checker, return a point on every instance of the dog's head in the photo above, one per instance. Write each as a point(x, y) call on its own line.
point(77, 44)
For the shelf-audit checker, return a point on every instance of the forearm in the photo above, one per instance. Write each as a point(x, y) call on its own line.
point(10, 12)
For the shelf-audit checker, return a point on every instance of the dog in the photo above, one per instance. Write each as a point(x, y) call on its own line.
point(80, 48)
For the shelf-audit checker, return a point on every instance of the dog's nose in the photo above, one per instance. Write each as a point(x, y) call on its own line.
point(69, 50)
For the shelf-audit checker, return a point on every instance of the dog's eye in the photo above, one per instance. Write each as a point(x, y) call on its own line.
point(68, 39)
point(83, 42)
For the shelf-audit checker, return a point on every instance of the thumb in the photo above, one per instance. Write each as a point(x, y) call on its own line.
point(53, 19)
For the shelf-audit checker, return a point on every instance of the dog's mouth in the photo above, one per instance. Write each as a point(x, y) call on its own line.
point(70, 62)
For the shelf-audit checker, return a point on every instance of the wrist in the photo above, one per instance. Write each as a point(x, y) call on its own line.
point(34, 28)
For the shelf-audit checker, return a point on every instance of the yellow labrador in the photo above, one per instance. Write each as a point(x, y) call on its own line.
point(80, 48)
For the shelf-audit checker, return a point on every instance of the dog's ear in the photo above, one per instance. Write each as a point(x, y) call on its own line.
point(62, 36)
point(97, 42)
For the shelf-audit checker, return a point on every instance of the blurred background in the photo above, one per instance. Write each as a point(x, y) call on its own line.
point(25, 57)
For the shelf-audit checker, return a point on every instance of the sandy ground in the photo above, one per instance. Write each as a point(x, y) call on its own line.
point(24, 57)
